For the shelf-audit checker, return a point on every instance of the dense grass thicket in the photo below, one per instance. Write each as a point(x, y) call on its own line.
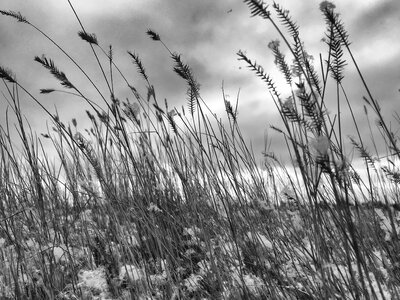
point(155, 202)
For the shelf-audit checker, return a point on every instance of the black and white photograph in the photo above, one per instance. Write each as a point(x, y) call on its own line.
point(198, 149)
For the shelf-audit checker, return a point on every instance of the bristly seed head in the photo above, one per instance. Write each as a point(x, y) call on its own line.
point(153, 35)
point(16, 15)
point(90, 38)
point(7, 75)
point(326, 5)
point(273, 44)
point(46, 91)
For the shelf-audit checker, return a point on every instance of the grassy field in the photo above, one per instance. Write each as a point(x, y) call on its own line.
point(155, 202)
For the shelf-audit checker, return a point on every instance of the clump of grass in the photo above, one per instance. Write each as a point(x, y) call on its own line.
point(158, 202)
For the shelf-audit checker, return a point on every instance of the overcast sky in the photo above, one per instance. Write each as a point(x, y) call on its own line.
point(207, 34)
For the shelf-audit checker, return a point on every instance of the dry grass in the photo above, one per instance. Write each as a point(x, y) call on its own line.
point(152, 202)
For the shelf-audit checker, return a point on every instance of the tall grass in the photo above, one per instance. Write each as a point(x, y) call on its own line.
point(155, 202)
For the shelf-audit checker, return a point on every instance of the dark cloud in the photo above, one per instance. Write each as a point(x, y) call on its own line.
point(381, 17)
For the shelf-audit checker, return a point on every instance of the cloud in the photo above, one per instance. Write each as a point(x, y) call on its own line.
point(378, 17)
point(208, 34)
